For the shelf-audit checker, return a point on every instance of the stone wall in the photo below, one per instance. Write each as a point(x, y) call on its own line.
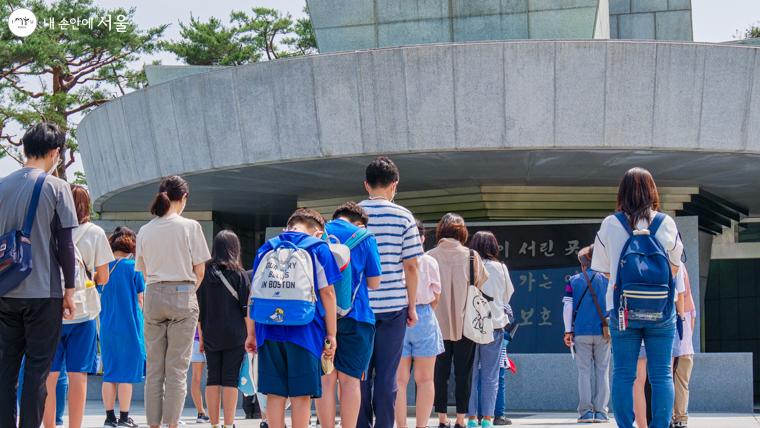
point(651, 19)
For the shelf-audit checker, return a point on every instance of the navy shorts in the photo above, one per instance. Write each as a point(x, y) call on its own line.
point(288, 370)
point(77, 350)
point(355, 342)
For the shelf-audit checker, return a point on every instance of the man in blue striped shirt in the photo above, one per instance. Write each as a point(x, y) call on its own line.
point(393, 302)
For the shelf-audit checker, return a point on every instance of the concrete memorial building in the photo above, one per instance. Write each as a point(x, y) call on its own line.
point(521, 115)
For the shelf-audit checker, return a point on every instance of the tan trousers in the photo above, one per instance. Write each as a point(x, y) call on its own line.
point(681, 377)
point(171, 316)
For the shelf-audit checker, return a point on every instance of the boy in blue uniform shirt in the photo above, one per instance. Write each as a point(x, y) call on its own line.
point(289, 356)
point(584, 321)
point(356, 330)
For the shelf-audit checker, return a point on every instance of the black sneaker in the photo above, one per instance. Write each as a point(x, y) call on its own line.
point(263, 424)
point(501, 420)
point(109, 423)
point(129, 423)
point(443, 425)
point(202, 418)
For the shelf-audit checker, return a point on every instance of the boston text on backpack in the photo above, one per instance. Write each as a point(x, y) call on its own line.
point(16, 246)
point(345, 294)
point(282, 290)
point(644, 288)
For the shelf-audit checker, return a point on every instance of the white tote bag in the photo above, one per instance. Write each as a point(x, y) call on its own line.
point(478, 320)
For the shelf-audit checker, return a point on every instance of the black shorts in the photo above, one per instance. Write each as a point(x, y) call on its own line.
point(224, 366)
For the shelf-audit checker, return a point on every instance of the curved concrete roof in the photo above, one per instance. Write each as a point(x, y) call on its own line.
point(527, 112)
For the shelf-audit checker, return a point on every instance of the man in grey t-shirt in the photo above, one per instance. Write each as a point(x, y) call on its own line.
point(31, 314)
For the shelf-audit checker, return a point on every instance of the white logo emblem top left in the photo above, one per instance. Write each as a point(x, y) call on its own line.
point(22, 22)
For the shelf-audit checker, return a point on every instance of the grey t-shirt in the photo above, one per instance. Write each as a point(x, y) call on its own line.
point(54, 212)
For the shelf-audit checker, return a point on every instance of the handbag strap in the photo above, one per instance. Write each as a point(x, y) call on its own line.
point(226, 283)
point(578, 306)
point(113, 268)
point(590, 288)
point(31, 211)
point(472, 267)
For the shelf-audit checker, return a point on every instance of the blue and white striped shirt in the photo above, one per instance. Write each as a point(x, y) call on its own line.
point(397, 240)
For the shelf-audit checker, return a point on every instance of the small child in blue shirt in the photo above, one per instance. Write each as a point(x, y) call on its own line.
point(289, 356)
point(356, 330)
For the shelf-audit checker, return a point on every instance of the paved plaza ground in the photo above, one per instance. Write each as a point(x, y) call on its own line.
point(95, 417)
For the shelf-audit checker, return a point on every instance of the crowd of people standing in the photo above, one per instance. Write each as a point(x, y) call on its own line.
point(156, 301)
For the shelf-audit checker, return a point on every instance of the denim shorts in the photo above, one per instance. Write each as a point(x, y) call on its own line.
point(425, 338)
point(197, 356)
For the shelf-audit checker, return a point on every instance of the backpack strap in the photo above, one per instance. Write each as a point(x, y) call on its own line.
point(624, 221)
point(309, 242)
point(356, 239)
point(654, 226)
point(274, 242)
point(31, 211)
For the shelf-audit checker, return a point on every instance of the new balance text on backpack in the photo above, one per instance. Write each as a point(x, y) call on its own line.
point(345, 294)
point(282, 290)
point(644, 286)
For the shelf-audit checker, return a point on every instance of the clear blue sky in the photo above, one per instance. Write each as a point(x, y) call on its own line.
point(713, 21)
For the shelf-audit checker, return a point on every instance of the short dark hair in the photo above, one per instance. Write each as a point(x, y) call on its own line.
point(452, 226)
point(123, 239)
point(381, 172)
point(41, 138)
point(308, 217)
point(172, 188)
point(485, 243)
point(352, 211)
point(81, 203)
point(225, 252)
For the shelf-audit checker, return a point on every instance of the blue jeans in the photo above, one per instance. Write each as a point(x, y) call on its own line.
point(501, 403)
point(485, 384)
point(658, 341)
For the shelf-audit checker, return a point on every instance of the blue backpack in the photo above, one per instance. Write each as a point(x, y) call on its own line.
point(16, 246)
point(283, 286)
point(345, 294)
point(644, 288)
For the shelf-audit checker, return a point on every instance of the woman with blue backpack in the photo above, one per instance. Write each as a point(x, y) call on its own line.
point(639, 248)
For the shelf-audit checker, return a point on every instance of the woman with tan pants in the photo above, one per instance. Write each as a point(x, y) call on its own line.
point(171, 254)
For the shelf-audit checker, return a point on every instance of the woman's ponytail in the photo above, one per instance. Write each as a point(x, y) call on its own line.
point(160, 205)
point(172, 188)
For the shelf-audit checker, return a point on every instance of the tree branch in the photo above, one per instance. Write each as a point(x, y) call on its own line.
point(91, 68)
point(13, 70)
point(9, 138)
point(118, 80)
point(12, 156)
point(24, 91)
point(70, 161)
point(84, 106)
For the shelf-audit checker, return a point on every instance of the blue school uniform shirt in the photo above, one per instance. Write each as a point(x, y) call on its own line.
point(365, 262)
point(587, 321)
point(310, 336)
